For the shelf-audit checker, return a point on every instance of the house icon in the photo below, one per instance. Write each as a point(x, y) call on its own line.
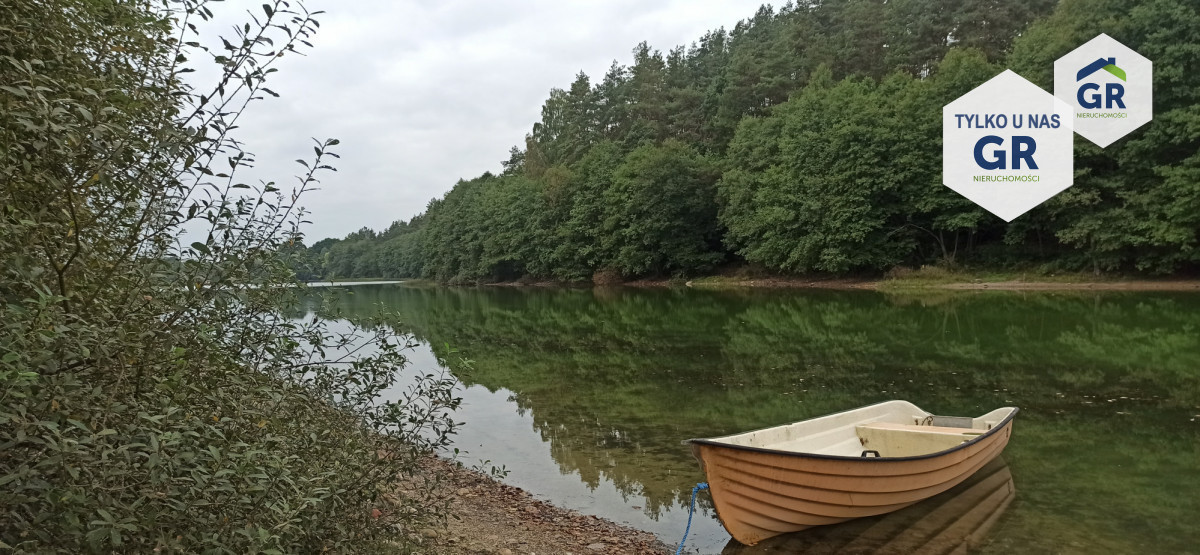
point(1107, 64)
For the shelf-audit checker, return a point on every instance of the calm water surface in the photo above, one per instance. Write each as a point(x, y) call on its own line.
point(585, 395)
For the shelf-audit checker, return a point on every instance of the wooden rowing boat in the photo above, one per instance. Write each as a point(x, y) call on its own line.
point(954, 522)
point(864, 462)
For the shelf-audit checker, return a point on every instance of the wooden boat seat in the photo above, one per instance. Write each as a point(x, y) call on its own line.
point(923, 428)
point(908, 440)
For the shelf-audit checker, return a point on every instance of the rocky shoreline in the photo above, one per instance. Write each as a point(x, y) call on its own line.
point(493, 518)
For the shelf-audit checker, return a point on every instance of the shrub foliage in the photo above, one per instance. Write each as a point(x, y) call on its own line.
point(155, 393)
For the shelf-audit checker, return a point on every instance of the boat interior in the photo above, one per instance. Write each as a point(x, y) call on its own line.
point(890, 429)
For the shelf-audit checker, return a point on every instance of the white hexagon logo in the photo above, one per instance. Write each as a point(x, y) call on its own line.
point(1007, 145)
point(1109, 85)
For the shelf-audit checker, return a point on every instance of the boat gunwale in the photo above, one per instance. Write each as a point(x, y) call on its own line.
point(711, 442)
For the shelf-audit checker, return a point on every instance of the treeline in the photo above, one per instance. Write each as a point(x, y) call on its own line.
point(808, 139)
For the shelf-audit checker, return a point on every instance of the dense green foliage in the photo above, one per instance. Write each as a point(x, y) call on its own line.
point(153, 394)
point(821, 124)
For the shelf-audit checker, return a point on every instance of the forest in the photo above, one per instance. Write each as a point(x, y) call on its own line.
point(807, 140)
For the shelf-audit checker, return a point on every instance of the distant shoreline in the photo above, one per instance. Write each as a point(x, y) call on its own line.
point(1134, 285)
point(891, 285)
point(363, 281)
point(955, 282)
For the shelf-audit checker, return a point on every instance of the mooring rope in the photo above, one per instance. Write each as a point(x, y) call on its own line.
point(691, 509)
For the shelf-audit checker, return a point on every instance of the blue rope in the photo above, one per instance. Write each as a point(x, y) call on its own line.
point(691, 509)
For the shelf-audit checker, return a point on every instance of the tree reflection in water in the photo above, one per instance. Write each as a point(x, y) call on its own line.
point(1106, 446)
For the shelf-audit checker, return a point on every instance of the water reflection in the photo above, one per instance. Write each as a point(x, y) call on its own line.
point(956, 521)
point(585, 394)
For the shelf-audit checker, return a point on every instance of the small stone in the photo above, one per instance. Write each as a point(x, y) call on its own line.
point(429, 533)
point(463, 491)
point(505, 551)
point(597, 546)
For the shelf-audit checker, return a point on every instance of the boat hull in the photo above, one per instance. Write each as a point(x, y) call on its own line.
point(954, 522)
point(760, 493)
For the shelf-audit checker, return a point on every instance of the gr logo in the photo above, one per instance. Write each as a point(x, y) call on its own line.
point(1006, 145)
point(1023, 149)
point(1023, 146)
point(1089, 95)
point(1109, 85)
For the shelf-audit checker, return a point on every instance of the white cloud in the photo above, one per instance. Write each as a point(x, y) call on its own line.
point(423, 93)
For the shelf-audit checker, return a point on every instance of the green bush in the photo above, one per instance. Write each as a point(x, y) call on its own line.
point(155, 391)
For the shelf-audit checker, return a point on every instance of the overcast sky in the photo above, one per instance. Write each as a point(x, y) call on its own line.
point(423, 93)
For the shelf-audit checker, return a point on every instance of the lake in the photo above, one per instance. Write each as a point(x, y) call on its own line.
point(584, 395)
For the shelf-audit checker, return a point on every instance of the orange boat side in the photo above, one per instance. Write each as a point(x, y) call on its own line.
point(759, 493)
